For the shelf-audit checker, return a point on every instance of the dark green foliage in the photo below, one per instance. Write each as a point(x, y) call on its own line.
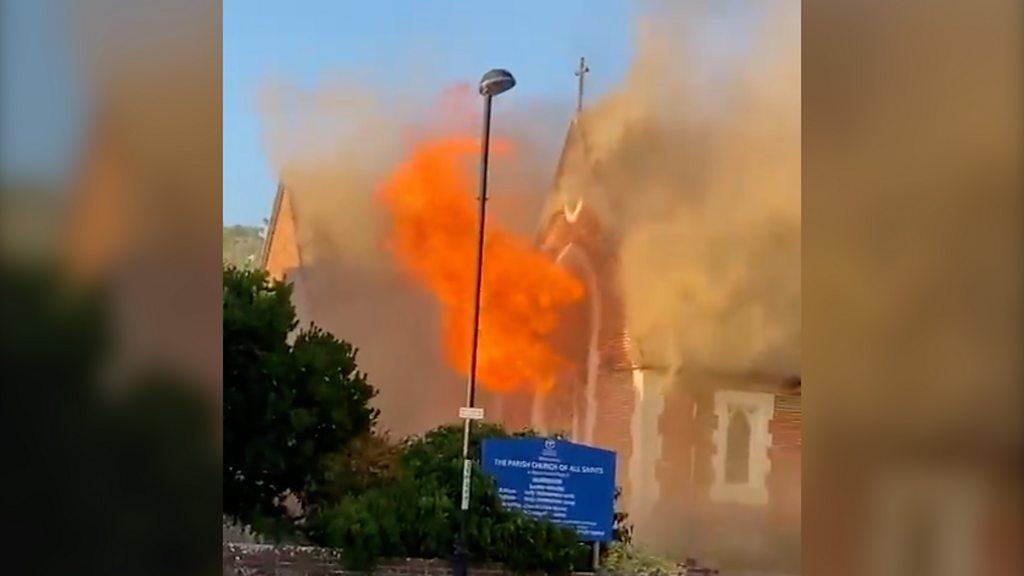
point(367, 462)
point(416, 514)
point(287, 405)
point(98, 479)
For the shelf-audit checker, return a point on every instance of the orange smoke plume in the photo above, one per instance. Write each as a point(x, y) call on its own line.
point(432, 202)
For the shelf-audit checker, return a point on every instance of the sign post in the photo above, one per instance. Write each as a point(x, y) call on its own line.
point(467, 413)
point(569, 484)
point(467, 474)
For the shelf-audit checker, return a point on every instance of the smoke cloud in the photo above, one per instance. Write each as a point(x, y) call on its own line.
point(695, 164)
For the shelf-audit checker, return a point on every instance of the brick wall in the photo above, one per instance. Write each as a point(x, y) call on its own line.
point(267, 560)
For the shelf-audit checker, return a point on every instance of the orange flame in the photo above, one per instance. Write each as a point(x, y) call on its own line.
point(431, 199)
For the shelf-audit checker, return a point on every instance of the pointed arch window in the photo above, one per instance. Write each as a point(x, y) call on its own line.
point(737, 451)
point(740, 462)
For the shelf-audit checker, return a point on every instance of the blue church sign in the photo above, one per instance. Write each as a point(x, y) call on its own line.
point(569, 484)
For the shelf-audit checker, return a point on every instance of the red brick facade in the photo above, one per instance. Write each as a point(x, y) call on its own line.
point(688, 492)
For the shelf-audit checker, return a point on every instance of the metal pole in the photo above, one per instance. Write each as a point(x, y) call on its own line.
point(485, 144)
point(459, 567)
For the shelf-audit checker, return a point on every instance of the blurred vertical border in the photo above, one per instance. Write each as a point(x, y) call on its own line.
point(110, 251)
point(913, 262)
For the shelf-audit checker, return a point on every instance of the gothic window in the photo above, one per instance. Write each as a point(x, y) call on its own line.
point(737, 457)
point(740, 462)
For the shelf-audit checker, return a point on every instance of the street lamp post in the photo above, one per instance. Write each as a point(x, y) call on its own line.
point(493, 83)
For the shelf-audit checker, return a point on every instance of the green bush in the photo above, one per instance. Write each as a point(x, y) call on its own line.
point(627, 558)
point(368, 462)
point(417, 514)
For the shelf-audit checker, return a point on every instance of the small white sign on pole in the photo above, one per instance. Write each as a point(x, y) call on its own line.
point(468, 413)
point(467, 473)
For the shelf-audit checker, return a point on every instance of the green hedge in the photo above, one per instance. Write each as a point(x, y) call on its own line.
point(415, 514)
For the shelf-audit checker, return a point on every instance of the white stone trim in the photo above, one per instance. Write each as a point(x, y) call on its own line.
point(759, 408)
point(648, 406)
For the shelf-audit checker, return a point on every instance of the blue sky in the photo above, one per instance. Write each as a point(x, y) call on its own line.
point(396, 43)
point(304, 42)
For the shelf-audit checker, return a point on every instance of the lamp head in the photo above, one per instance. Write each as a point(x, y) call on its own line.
point(496, 81)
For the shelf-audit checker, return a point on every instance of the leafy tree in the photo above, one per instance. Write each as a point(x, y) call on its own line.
point(290, 401)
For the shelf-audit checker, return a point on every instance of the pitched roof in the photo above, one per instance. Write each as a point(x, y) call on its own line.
point(281, 252)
